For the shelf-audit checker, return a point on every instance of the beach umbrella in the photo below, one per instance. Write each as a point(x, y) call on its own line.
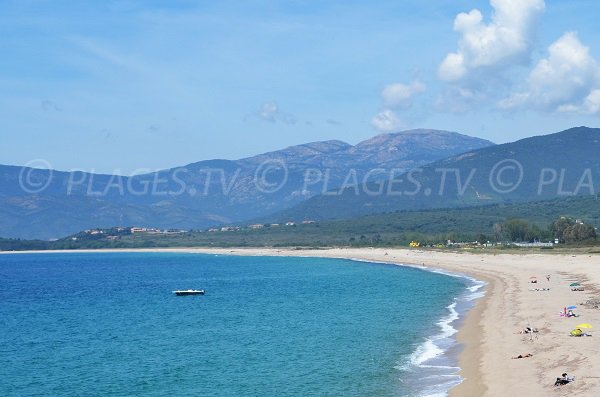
point(571, 307)
point(574, 285)
point(584, 326)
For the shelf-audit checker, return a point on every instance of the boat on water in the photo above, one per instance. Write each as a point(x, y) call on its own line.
point(189, 292)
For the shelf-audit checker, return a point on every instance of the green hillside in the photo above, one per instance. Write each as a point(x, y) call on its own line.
point(387, 229)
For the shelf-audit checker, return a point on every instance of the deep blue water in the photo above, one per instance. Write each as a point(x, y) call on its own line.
point(107, 324)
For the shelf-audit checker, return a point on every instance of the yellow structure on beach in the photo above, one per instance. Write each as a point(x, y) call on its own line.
point(414, 244)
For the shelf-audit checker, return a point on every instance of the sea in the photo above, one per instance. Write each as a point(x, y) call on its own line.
point(109, 324)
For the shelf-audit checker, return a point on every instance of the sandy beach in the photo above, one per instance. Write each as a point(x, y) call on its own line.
point(490, 333)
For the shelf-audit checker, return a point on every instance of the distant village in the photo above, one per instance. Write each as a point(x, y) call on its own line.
point(258, 226)
point(114, 233)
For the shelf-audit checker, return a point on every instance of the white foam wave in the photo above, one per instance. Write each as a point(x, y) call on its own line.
point(446, 323)
point(425, 352)
point(476, 290)
point(429, 349)
point(424, 356)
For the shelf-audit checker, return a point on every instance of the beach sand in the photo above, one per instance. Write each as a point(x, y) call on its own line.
point(489, 333)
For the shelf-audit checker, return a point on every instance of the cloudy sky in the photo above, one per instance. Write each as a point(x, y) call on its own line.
point(120, 86)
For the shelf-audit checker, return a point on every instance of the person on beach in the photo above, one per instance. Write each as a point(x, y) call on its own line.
point(563, 380)
point(528, 330)
point(576, 332)
point(548, 277)
point(522, 356)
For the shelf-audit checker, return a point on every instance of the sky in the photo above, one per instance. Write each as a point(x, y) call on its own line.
point(132, 86)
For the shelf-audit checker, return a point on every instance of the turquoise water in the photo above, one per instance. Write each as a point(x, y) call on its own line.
point(108, 324)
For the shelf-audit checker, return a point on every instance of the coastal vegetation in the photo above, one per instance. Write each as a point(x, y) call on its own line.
point(573, 221)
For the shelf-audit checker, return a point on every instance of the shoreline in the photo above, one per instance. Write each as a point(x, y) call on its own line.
point(475, 292)
point(489, 333)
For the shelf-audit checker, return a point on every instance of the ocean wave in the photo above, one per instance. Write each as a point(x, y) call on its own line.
point(476, 290)
point(427, 357)
point(429, 349)
point(446, 323)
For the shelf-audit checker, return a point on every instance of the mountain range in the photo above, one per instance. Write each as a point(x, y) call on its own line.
point(45, 204)
point(538, 168)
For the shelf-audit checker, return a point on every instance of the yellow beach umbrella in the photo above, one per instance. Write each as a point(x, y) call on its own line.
point(584, 326)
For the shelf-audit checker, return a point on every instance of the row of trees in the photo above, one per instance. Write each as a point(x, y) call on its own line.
point(566, 230)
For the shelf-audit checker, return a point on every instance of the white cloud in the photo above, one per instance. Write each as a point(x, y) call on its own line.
point(568, 80)
point(591, 103)
point(395, 97)
point(269, 111)
point(507, 40)
point(457, 99)
point(387, 120)
point(400, 95)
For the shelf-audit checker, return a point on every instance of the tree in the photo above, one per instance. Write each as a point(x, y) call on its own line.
point(579, 232)
point(516, 229)
point(498, 231)
point(560, 225)
point(534, 233)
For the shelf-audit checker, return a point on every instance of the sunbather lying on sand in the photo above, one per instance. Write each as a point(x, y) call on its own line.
point(563, 380)
point(528, 330)
point(578, 332)
point(522, 356)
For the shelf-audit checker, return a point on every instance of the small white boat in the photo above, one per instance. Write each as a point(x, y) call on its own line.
point(189, 292)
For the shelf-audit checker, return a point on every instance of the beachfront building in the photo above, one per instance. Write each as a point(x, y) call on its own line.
point(230, 228)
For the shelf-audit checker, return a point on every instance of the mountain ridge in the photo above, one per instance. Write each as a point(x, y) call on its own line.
point(541, 167)
point(57, 203)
